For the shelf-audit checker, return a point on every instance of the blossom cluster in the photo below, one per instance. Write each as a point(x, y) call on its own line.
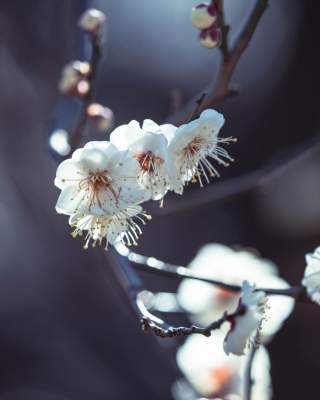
point(215, 368)
point(104, 183)
point(206, 18)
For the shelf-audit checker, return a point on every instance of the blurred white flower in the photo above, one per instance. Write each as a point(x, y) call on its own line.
point(245, 328)
point(311, 279)
point(203, 15)
point(210, 37)
point(99, 189)
point(92, 21)
point(192, 146)
point(149, 147)
point(59, 142)
point(212, 373)
point(73, 80)
point(207, 302)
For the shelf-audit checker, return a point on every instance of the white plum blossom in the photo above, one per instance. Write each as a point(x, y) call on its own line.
point(203, 16)
point(211, 372)
point(123, 226)
point(311, 279)
point(206, 302)
point(92, 20)
point(246, 327)
point(193, 147)
point(149, 146)
point(100, 192)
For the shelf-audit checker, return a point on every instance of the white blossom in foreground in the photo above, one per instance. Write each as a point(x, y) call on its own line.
point(311, 279)
point(92, 20)
point(194, 146)
point(149, 146)
point(206, 302)
point(245, 328)
point(212, 373)
point(123, 226)
point(99, 190)
point(203, 15)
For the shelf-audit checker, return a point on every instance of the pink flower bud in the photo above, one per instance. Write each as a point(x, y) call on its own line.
point(204, 16)
point(101, 116)
point(92, 21)
point(210, 38)
point(73, 81)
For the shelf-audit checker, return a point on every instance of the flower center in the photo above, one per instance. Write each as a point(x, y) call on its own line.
point(193, 147)
point(95, 183)
point(148, 162)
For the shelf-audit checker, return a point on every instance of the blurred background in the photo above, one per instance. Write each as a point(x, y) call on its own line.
point(66, 329)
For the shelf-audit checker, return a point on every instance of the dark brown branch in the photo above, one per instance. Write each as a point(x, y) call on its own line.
point(169, 332)
point(80, 129)
point(224, 47)
point(221, 89)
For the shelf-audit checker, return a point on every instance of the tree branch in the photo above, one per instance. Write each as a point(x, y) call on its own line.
point(79, 131)
point(221, 89)
point(154, 266)
point(151, 326)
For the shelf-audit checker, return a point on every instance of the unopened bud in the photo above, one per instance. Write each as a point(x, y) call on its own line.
point(73, 81)
point(92, 21)
point(101, 116)
point(203, 16)
point(210, 38)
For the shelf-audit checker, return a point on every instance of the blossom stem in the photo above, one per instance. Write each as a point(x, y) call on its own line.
point(80, 128)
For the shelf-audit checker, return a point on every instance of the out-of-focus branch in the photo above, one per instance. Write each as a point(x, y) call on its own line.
point(240, 184)
point(79, 131)
point(221, 88)
point(157, 267)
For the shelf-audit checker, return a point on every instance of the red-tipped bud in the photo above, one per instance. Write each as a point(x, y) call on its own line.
point(74, 79)
point(204, 16)
point(102, 117)
point(210, 38)
point(92, 21)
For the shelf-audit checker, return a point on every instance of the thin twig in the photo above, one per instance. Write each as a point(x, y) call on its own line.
point(224, 47)
point(80, 129)
point(171, 331)
point(196, 111)
point(154, 266)
point(221, 89)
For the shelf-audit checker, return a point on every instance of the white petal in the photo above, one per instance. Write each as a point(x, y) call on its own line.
point(150, 126)
point(71, 200)
point(69, 172)
point(123, 136)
